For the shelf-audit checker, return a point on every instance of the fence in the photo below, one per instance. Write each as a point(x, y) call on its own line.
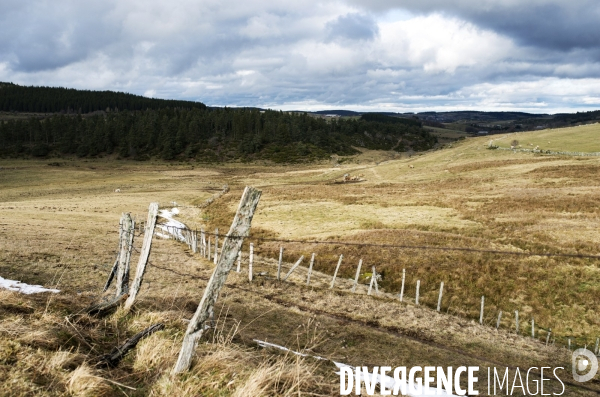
point(206, 244)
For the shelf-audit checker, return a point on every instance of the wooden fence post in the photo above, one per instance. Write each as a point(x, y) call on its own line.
point(208, 253)
point(116, 264)
point(125, 256)
point(202, 243)
point(532, 328)
point(294, 267)
point(402, 288)
point(417, 294)
point(250, 261)
point(499, 319)
point(569, 343)
point(548, 336)
point(440, 297)
point(310, 267)
point(596, 346)
point(357, 275)
point(376, 284)
point(195, 241)
point(481, 310)
point(279, 264)
point(231, 246)
point(336, 271)
point(216, 245)
point(239, 261)
point(517, 321)
point(144, 254)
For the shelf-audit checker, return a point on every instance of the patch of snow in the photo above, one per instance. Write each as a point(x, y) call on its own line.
point(386, 381)
point(171, 226)
point(13, 285)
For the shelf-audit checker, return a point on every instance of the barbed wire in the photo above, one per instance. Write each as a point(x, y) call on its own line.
point(396, 246)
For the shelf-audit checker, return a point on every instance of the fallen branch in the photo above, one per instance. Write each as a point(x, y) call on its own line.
point(113, 358)
point(103, 307)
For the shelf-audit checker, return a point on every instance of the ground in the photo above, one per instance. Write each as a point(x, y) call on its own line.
point(60, 229)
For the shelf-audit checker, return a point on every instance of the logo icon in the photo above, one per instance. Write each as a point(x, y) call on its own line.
point(582, 360)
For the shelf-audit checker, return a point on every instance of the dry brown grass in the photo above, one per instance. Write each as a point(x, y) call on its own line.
point(59, 229)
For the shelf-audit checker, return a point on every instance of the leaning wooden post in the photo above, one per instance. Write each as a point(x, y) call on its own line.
point(499, 319)
point(517, 321)
point(279, 264)
point(239, 261)
point(402, 288)
point(231, 246)
point(116, 264)
point(373, 275)
point(336, 271)
point(144, 254)
point(356, 276)
point(298, 262)
point(417, 294)
point(125, 256)
point(548, 336)
point(216, 245)
point(310, 267)
point(250, 260)
point(440, 296)
point(481, 310)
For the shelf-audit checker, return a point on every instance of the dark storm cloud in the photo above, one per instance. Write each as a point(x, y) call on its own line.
point(554, 24)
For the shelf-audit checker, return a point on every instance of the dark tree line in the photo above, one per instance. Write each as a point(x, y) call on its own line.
point(209, 135)
point(15, 98)
point(140, 128)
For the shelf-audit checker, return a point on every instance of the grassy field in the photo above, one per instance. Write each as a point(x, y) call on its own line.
point(583, 138)
point(59, 229)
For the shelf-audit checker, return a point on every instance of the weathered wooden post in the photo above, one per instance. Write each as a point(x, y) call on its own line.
point(195, 241)
point(499, 319)
point(481, 310)
point(208, 254)
point(116, 264)
point(231, 246)
point(125, 256)
point(239, 261)
point(548, 336)
point(517, 321)
point(203, 243)
point(402, 288)
point(532, 328)
point(596, 346)
point(250, 261)
point(376, 284)
point(279, 264)
point(294, 267)
point(144, 254)
point(216, 245)
point(569, 343)
point(356, 276)
point(336, 271)
point(310, 267)
point(417, 294)
point(373, 281)
point(440, 296)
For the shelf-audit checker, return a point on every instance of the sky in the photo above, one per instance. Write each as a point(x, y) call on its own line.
point(539, 56)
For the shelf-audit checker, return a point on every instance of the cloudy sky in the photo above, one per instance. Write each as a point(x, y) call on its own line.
point(540, 56)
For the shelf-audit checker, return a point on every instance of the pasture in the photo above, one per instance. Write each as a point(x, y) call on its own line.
point(59, 221)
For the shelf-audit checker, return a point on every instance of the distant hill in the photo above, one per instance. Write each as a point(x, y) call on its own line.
point(16, 98)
